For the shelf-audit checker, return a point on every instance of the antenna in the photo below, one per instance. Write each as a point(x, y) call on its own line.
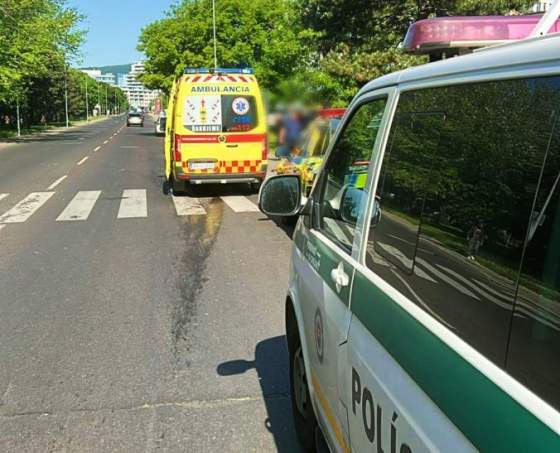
point(214, 31)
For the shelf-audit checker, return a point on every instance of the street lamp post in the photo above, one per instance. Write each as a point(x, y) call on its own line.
point(66, 97)
point(87, 101)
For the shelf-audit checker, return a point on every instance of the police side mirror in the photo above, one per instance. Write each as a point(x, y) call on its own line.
point(352, 203)
point(281, 196)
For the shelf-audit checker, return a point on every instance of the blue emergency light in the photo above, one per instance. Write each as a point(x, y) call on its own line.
point(218, 71)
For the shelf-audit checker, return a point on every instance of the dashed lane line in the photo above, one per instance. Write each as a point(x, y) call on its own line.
point(57, 182)
point(3, 195)
point(83, 160)
point(97, 149)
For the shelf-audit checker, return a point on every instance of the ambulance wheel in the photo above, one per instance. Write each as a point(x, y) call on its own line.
point(177, 187)
point(166, 187)
point(302, 409)
point(256, 186)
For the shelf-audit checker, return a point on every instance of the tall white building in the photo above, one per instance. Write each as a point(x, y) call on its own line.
point(542, 6)
point(107, 77)
point(137, 94)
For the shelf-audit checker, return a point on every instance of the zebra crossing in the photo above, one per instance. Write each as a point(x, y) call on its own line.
point(133, 204)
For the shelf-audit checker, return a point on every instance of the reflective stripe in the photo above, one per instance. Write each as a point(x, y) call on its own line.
point(328, 413)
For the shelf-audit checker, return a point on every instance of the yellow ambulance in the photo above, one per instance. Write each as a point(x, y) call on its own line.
point(216, 129)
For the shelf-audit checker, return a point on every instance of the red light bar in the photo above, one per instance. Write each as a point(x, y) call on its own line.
point(443, 33)
point(332, 113)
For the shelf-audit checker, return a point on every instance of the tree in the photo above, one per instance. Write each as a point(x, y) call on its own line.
point(263, 34)
point(352, 48)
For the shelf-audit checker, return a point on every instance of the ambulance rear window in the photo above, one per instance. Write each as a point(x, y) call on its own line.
point(239, 113)
point(220, 113)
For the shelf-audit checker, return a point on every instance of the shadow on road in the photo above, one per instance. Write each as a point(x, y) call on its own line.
point(218, 190)
point(271, 364)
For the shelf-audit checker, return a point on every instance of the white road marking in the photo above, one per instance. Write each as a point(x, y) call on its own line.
point(2, 226)
point(105, 142)
point(188, 206)
point(3, 195)
point(97, 149)
point(83, 160)
point(57, 182)
point(133, 204)
point(26, 207)
point(80, 207)
point(446, 279)
point(240, 204)
point(407, 262)
point(476, 288)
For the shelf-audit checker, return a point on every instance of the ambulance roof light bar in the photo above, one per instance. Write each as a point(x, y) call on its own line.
point(218, 71)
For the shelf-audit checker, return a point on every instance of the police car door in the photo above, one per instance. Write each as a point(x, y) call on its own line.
point(325, 275)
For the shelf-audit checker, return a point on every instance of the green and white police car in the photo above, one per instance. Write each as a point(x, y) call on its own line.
point(423, 309)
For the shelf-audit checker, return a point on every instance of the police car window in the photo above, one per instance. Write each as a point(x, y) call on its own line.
point(454, 202)
point(534, 348)
point(344, 182)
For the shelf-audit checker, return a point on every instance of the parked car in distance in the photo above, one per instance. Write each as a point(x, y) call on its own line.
point(134, 119)
point(160, 123)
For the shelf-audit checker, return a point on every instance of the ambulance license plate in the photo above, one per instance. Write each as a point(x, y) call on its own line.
point(201, 165)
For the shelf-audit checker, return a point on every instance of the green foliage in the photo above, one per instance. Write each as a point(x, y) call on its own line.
point(318, 51)
point(38, 41)
point(358, 39)
point(263, 34)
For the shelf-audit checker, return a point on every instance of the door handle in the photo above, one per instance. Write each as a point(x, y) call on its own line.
point(339, 277)
point(232, 146)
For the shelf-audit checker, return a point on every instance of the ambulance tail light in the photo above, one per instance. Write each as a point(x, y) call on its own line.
point(177, 149)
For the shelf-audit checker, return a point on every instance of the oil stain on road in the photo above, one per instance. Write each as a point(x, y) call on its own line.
point(200, 233)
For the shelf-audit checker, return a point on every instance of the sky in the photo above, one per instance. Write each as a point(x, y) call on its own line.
point(113, 27)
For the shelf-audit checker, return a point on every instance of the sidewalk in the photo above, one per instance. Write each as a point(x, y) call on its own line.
point(53, 130)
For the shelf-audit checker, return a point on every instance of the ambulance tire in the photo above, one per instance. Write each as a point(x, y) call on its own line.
point(178, 187)
point(256, 186)
point(166, 187)
point(304, 416)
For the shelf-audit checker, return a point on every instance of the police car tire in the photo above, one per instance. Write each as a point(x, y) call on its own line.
point(305, 423)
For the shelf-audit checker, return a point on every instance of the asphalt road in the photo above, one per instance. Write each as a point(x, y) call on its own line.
point(125, 326)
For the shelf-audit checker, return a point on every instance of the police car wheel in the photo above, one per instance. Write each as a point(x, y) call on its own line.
point(304, 417)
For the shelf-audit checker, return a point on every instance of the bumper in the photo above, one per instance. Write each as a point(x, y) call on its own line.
point(219, 178)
